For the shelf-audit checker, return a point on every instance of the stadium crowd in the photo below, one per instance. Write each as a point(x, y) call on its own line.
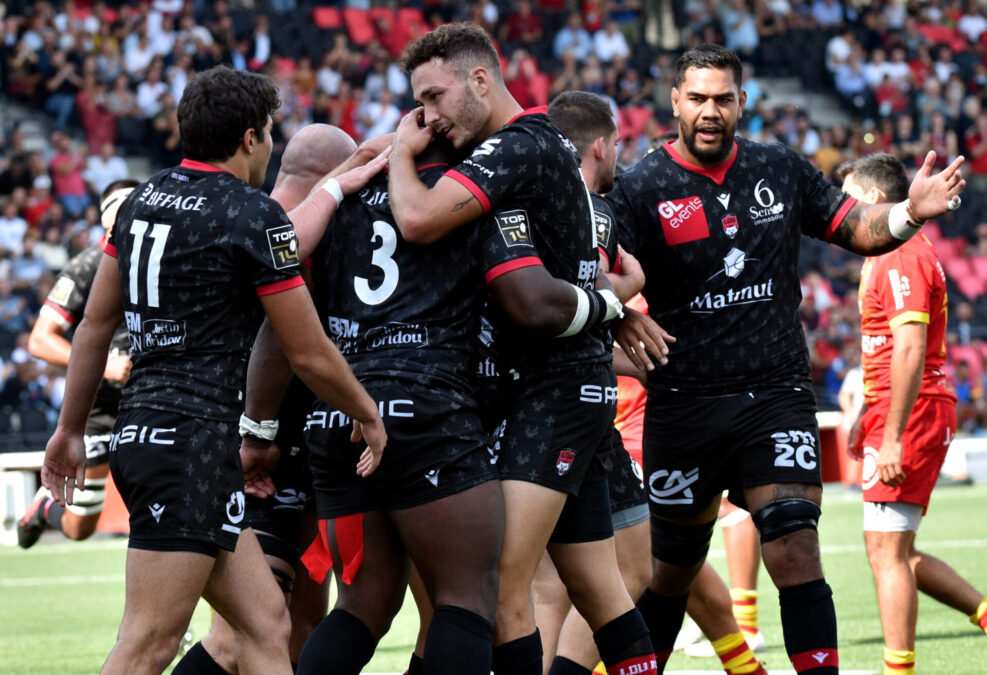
point(109, 76)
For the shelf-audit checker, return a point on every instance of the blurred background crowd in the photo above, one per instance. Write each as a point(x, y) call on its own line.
point(90, 91)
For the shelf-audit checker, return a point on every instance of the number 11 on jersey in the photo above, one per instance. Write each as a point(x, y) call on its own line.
point(159, 233)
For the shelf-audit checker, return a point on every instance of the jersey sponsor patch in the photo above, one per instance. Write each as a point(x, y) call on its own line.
point(514, 228)
point(62, 291)
point(604, 226)
point(730, 225)
point(683, 220)
point(284, 246)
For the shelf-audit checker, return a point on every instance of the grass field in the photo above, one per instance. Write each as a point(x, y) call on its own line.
point(61, 601)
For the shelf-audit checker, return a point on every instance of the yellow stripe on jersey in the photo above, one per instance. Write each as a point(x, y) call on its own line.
point(909, 317)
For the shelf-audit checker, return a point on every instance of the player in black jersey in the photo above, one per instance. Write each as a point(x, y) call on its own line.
point(202, 256)
point(61, 312)
point(523, 170)
point(285, 521)
point(716, 222)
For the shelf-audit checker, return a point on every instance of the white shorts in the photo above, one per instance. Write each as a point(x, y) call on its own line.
point(892, 517)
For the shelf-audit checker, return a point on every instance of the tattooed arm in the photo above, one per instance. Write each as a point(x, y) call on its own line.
point(424, 214)
point(865, 229)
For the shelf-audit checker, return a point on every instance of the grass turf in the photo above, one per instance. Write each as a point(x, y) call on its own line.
point(61, 601)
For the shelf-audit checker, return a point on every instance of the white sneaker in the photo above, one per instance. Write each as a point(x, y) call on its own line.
point(756, 641)
point(690, 633)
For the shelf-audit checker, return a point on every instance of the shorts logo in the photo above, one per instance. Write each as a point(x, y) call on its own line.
point(290, 499)
point(730, 225)
point(283, 245)
point(683, 220)
point(62, 290)
point(604, 226)
point(514, 228)
point(156, 511)
point(433, 477)
point(675, 483)
point(564, 462)
point(795, 447)
point(869, 476)
point(235, 511)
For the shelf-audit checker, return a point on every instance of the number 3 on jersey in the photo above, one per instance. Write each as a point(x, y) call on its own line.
point(382, 259)
point(159, 233)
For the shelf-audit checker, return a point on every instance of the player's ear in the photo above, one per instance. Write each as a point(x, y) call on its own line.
point(675, 101)
point(743, 102)
point(479, 79)
point(596, 148)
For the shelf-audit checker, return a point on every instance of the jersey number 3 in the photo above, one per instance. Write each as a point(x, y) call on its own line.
point(159, 233)
point(382, 259)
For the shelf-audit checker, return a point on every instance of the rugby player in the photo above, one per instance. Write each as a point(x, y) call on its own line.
point(523, 170)
point(62, 311)
point(908, 420)
point(716, 222)
point(202, 256)
point(285, 521)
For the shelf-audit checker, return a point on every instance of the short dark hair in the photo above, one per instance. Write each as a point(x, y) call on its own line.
point(218, 106)
point(880, 170)
point(582, 117)
point(464, 45)
point(709, 55)
point(121, 184)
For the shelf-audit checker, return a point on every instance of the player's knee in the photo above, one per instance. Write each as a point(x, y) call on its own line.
point(784, 516)
point(680, 544)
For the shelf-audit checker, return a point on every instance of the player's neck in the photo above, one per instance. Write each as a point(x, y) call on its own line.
point(503, 109)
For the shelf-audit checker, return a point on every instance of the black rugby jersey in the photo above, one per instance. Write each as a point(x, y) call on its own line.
point(66, 304)
point(528, 173)
point(720, 250)
point(398, 310)
point(606, 230)
point(196, 248)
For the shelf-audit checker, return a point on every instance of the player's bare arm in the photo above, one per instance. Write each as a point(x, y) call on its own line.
point(907, 366)
point(311, 217)
point(324, 370)
point(629, 281)
point(424, 214)
point(874, 229)
point(64, 466)
point(535, 300)
point(47, 342)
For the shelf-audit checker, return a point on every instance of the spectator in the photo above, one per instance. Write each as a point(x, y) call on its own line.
point(972, 24)
point(14, 314)
point(97, 121)
point(574, 38)
point(523, 28)
point(62, 84)
point(68, 185)
point(740, 28)
point(964, 323)
point(50, 249)
point(609, 43)
point(567, 77)
point(976, 153)
point(150, 90)
point(12, 230)
point(376, 118)
point(104, 168)
point(130, 126)
point(827, 13)
point(27, 270)
point(15, 174)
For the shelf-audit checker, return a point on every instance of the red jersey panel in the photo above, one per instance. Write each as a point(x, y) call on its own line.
point(903, 286)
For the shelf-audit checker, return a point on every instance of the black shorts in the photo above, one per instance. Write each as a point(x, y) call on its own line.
point(99, 426)
point(558, 427)
point(181, 480)
point(277, 519)
point(696, 447)
point(626, 480)
point(436, 447)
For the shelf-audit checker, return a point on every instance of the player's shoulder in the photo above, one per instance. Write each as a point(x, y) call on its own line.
point(751, 154)
point(83, 264)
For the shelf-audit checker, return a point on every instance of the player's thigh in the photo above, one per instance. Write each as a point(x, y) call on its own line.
point(242, 589)
point(162, 590)
point(531, 513)
point(633, 546)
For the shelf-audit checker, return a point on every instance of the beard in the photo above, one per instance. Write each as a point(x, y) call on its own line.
point(709, 155)
point(604, 181)
point(470, 120)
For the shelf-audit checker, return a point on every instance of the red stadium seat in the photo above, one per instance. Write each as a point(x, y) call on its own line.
point(358, 25)
point(327, 18)
point(413, 20)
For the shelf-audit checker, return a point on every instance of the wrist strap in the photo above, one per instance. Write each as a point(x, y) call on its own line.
point(265, 430)
point(592, 309)
point(332, 187)
point(902, 224)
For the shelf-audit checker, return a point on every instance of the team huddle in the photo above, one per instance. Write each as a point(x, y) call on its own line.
point(421, 364)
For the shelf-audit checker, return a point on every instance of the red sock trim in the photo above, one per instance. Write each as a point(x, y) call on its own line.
point(817, 658)
point(636, 665)
point(899, 666)
point(983, 621)
point(734, 653)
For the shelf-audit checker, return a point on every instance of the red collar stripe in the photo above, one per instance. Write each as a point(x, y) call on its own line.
point(717, 174)
point(201, 166)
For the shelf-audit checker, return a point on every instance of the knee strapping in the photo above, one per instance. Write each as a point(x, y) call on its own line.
point(784, 516)
point(89, 502)
point(680, 544)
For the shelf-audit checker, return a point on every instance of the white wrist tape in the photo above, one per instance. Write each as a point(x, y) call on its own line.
point(265, 430)
point(614, 308)
point(332, 187)
point(900, 222)
point(581, 315)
